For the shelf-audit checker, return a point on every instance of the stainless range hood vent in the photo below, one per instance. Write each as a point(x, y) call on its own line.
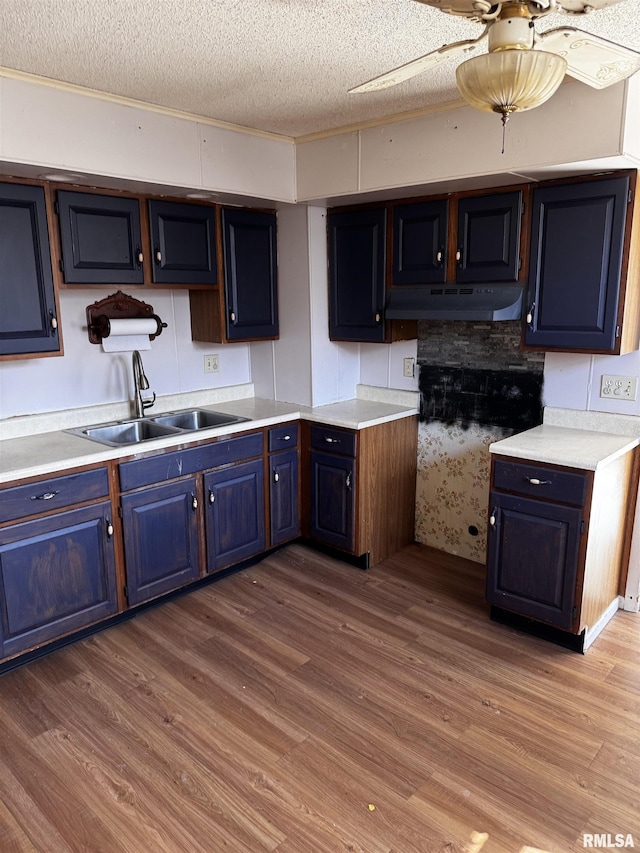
point(481, 302)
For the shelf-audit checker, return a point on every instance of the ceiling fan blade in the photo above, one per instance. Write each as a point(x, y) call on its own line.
point(417, 66)
point(593, 60)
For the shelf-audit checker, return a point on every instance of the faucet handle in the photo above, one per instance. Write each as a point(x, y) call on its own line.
point(146, 404)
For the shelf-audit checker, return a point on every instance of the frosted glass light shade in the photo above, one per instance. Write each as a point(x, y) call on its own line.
point(510, 80)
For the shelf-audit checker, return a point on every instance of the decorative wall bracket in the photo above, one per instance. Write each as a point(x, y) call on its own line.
point(120, 306)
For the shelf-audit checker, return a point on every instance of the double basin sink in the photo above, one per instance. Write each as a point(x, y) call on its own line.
point(134, 431)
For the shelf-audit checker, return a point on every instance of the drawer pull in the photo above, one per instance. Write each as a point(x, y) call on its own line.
point(109, 529)
point(45, 496)
point(330, 440)
point(536, 482)
point(276, 477)
point(284, 438)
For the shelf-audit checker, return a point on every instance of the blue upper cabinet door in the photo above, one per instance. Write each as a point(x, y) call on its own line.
point(488, 247)
point(183, 242)
point(357, 272)
point(250, 274)
point(577, 245)
point(100, 238)
point(28, 321)
point(160, 539)
point(420, 242)
point(235, 513)
point(57, 574)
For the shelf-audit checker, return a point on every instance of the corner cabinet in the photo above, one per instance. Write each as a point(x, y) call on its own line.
point(584, 271)
point(557, 542)
point(28, 310)
point(360, 488)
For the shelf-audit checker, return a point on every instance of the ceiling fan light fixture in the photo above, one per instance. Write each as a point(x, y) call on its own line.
point(509, 81)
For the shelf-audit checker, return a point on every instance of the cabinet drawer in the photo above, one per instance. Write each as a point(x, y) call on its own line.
point(180, 463)
point(283, 438)
point(333, 440)
point(54, 493)
point(540, 482)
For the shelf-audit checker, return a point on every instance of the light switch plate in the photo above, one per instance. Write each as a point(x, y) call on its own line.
point(212, 363)
point(409, 368)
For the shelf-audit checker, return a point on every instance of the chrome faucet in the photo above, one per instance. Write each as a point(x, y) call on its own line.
point(140, 383)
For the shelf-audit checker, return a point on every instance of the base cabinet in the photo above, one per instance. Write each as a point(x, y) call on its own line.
point(57, 574)
point(333, 499)
point(283, 497)
point(161, 541)
point(234, 514)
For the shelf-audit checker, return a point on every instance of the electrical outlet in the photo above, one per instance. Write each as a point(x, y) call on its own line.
point(409, 368)
point(619, 387)
point(212, 363)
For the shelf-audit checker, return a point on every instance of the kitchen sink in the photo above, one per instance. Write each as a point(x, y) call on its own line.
point(193, 419)
point(124, 432)
point(135, 431)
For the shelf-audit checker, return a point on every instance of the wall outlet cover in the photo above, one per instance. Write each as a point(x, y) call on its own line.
point(619, 387)
point(212, 363)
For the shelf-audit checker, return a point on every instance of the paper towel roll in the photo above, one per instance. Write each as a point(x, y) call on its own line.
point(127, 335)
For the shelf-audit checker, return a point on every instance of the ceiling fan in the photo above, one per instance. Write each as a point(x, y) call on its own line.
point(523, 68)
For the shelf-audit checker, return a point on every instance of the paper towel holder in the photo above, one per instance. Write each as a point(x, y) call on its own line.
point(118, 306)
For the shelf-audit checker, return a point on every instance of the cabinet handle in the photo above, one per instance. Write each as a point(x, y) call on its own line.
point(284, 438)
point(378, 317)
point(232, 316)
point(212, 496)
point(276, 477)
point(439, 257)
point(347, 482)
point(459, 255)
point(530, 314)
point(45, 496)
point(492, 517)
point(109, 529)
point(139, 256)
point(536, 482)
point(53, 322)
point(330, 440)
point(158, 255)
point(194, 502)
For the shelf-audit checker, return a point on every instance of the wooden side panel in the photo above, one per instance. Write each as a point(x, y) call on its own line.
point(630, 289)
point(607, 537)
point(386, 478)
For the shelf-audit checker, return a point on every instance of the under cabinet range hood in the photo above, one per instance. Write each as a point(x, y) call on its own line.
point(441, 302)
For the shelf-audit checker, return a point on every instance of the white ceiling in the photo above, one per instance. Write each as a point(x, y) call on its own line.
point(282, 66)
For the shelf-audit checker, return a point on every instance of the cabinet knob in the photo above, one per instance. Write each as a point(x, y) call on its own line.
point(158, 256)
point(439, 257)
point(458, 255)
point(284, 438)
point(212, 497)
point(378, 317)
point(140, 257)
point(54, 323)
point(530, 314)
point(347, 482)
point(232, 316)
point(492, 518)
point(536, 482)
point(330, 440)
point(194, 502)
point(109, 529)
point(276, 477)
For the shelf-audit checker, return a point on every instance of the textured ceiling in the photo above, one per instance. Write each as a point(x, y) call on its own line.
point(282, 66)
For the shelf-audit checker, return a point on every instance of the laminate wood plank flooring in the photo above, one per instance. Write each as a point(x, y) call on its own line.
point(305, 706)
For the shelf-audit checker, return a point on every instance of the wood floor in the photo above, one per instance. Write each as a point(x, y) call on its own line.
point(304, 706)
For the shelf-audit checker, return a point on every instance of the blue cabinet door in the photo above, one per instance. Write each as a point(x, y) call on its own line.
point(235, 527)
point(333, 499)
point(577, 245)
point(183, 242)
point(57, 574)
point(250, 274)
point(532, 558)
point(357, 272)
point(489, 238)
point(28, 322)
point(283, 496)
point(420, 242)
point(160, 527)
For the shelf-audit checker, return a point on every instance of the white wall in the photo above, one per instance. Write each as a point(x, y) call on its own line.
point(572, 381)
point(383, 365)
point(87, 376)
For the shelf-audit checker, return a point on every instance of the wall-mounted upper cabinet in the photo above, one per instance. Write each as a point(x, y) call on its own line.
point(584, 268)
point(122, 239)
point(183, 242)
point(100, 238)
point(467, 239)
point(28, 311)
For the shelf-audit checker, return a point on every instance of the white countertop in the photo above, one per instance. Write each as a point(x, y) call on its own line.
point(558, 445)
point(47, 452)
